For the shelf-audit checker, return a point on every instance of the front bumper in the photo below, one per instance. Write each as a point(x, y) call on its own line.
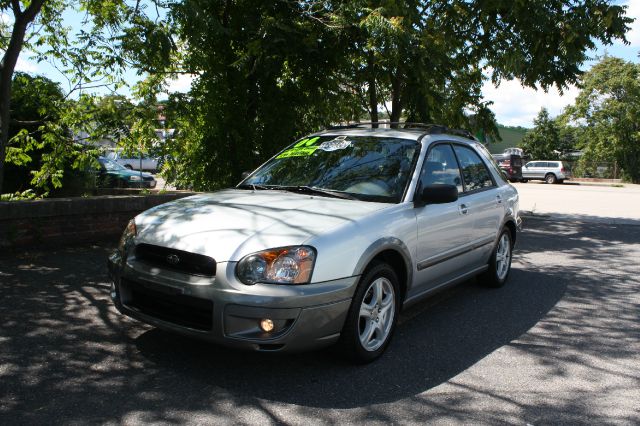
point(225, 311)
point(142, 184)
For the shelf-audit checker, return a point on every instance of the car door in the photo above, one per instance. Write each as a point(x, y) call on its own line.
point(443, 230)
point(527, 170)
point(541, 169)
point(481, 194)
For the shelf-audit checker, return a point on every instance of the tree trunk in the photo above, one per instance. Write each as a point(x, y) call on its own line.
point(7, 66)
point(373, 93)
point(396, 100)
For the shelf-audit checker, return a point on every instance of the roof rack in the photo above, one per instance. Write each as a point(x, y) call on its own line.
point(431, 129)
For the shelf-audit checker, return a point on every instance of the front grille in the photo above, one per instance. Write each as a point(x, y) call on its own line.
point(168, 304)
point(178, 260)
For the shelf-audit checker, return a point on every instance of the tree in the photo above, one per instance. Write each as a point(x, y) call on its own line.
point(544, 142)
point(34, 101)
point(269, 73)
point(12, 48)
point(114, 35)
point(609, 106)
point(427, 57)
point(274, 70)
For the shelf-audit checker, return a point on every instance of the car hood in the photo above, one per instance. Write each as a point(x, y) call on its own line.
point(230, 224)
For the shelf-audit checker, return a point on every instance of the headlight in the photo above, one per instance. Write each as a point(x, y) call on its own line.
point(129, 232)
point(284, 265)
point(135, 178)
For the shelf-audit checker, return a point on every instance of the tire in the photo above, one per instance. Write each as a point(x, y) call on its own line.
point(561, 181)
point(500, 262)
point(524, 180)
point(372, 316)
point(550, 178)
point(128, 166)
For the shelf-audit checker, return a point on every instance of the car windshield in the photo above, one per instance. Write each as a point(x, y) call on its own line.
point(110, 165)
point(360, 167)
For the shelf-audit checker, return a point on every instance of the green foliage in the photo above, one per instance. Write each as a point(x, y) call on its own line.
point(53, 138)
point(608, 107)
point(547, 140)
point(272, 71)
point(113, 35)
point(269, 71)
point(266, 76)
point(35, 101)
point(29, 194)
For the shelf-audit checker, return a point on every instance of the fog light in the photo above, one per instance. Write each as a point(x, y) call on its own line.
point(266, 325)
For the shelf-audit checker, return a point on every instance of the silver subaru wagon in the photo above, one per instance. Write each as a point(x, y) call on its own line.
point(324, 243)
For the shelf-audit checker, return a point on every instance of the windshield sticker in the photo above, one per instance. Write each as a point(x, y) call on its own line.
point(304, 148)
point(306, 142)
point(338, 143)
point(298, 152)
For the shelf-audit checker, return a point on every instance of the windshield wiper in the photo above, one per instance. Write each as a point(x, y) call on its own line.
point(303, 189)
point(253, 186)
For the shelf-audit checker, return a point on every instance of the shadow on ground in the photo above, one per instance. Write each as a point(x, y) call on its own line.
point(66, 355)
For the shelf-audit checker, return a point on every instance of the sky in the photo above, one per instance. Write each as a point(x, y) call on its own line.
point(518, 106)
point(513, 104)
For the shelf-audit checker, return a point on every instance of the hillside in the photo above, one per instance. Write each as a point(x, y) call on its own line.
point(511, 137)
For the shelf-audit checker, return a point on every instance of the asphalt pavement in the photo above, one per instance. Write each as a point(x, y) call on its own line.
point(559, 344)
point(599, 203)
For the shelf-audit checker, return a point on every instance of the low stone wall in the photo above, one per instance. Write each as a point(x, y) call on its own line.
point(62, 221)
point(597, 180)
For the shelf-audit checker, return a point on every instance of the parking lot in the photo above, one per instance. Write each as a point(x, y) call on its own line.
point(560, 343)
point(594, 203)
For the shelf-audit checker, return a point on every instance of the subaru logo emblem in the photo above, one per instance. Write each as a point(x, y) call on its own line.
point(173, 259)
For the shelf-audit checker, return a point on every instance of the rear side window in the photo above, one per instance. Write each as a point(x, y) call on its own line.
point(515, 162)
point(474, 172)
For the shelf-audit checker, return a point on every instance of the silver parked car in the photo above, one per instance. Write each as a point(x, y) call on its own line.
point(324, 243)
point(139, 162)
point(548, 171)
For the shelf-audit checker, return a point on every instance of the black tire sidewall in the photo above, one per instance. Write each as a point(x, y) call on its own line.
point(349, 338)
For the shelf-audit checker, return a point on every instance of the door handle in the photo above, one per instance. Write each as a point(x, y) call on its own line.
point(463, 209)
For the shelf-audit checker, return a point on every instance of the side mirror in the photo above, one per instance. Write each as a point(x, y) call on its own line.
point(438, 194)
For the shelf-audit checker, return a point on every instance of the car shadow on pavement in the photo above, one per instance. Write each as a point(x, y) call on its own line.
point(67, 356)
point(435, 341)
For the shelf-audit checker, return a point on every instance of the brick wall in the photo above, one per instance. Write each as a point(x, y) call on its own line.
point(52, 222)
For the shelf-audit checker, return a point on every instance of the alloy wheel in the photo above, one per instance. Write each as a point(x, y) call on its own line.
point(503, 256)
point(377, 313)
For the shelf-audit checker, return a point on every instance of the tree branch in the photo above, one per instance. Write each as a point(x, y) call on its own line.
point(15, 5)
point(34, 8)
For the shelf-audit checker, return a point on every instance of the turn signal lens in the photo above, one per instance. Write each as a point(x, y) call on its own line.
point(129, 233)
point(284, 265)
